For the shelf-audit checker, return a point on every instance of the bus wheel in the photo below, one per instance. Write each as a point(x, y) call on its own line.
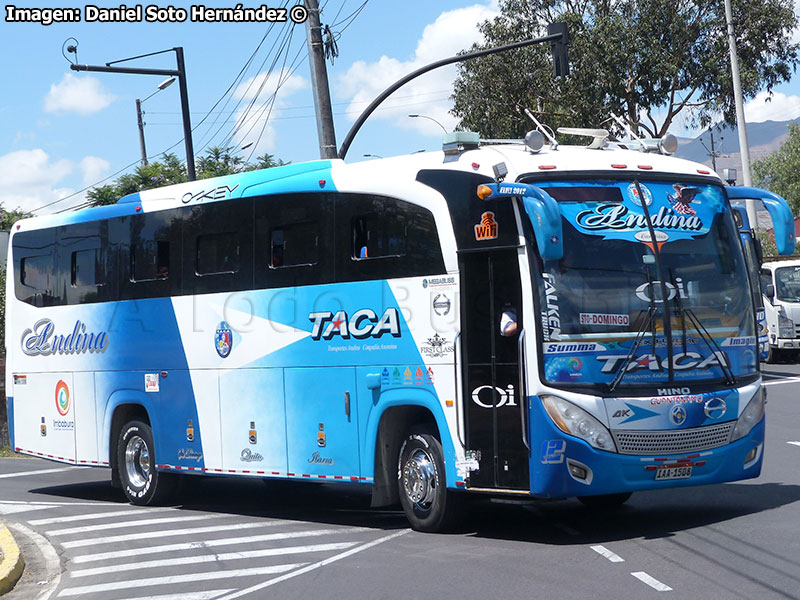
point(605, 500)
point(143, 485)
point(772, 355)
point(428, 504)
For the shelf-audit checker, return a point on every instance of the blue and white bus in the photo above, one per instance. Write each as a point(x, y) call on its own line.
point(502, 319)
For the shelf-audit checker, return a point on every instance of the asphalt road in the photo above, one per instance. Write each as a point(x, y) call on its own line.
point(231, 538)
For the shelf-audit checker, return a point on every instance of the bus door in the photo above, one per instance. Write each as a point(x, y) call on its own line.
point(491, 363)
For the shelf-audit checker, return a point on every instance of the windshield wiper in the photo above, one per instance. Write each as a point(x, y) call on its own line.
point(648, 322)
point(730, 378)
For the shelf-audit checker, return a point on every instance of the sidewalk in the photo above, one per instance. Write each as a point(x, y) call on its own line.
point(11, 561)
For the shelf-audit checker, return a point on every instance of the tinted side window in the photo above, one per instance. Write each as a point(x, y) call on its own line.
point(35, 274)
point(85, 264)
point(374, 236)
point(293, 240)
point(88, 268)
point(217, 253)
point(218, 247)
point(294, 245)
point(386, 238)
point(149, 249)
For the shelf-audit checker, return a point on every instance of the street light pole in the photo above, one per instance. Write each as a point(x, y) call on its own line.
point(741, 124)
point(430, 119)
point(161, 86)
point(180, 73)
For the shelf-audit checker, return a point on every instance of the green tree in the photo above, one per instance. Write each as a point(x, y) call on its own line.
point(219, 161)
point(778, 172)
point(266, 161)
point(647, 60)
point(170, 169)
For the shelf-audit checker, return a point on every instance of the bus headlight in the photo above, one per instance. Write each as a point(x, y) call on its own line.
point(751, 416)
point(573, 420)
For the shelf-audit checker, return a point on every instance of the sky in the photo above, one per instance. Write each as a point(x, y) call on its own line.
point(249, 86)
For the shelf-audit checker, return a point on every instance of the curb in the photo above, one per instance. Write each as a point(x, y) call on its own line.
point(11, 561)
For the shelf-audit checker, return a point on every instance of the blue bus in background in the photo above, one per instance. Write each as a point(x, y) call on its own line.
point(497, 319)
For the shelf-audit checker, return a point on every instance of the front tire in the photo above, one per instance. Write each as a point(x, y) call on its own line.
point(141, 482)
point(428, 504)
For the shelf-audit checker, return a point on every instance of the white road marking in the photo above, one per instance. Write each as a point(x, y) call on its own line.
point(92, 516)
point(603, 551)
point(207, 595)
point(794, 443)
point(7, 509)
point(175, 579)
point(213, 543)
point(191, 560)
point(42, 472)
point(651, 581)
point(127, 524)
point(314, 566)
point(782, 380)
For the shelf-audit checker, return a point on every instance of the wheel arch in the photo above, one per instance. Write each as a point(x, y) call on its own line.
point(123, 406)
point(397, 412)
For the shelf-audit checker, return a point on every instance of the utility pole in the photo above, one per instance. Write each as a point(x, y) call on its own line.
point(141, 131)
point(319, 83)
point(741, 124)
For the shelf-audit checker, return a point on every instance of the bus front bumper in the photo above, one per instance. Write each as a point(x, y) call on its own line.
point(563, 466)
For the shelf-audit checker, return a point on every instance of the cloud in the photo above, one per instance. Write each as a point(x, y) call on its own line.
point(82, 95)
point(450, 33)
point(30, 179)
point(263, 97)
point(94, 169)
point(772, 107)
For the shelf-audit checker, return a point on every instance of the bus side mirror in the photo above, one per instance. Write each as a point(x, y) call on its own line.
point(542, 211)
point(769, 291)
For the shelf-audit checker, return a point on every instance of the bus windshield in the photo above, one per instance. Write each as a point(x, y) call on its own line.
point(787, 284)
point(604, 317)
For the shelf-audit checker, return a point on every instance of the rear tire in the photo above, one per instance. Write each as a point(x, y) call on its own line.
point(605, 500)
point(772, 355)
point(141, 482)
point(428, 504)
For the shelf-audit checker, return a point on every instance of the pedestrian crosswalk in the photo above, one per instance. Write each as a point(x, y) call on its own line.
point(114, 553)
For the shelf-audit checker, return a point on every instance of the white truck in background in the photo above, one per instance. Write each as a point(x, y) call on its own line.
point(780, 282)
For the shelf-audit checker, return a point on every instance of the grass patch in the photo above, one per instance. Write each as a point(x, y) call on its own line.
point(6, 452)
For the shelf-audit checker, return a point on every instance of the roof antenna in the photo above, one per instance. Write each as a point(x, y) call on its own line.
point(629, 131)
point(542, 128)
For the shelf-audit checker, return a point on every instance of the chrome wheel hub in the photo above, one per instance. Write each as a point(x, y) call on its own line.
point(419, 478)
point(137, 462)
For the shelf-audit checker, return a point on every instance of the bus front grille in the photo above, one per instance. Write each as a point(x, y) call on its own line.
point(674, 441)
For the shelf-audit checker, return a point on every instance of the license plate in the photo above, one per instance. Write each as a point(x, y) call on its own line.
point(673, 473)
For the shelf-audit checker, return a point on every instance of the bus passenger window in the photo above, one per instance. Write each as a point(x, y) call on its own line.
point(37, 272)
point(150, 261)
point(295, 245)
point(87, 268)
point(217, 253)
point(378, 236)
